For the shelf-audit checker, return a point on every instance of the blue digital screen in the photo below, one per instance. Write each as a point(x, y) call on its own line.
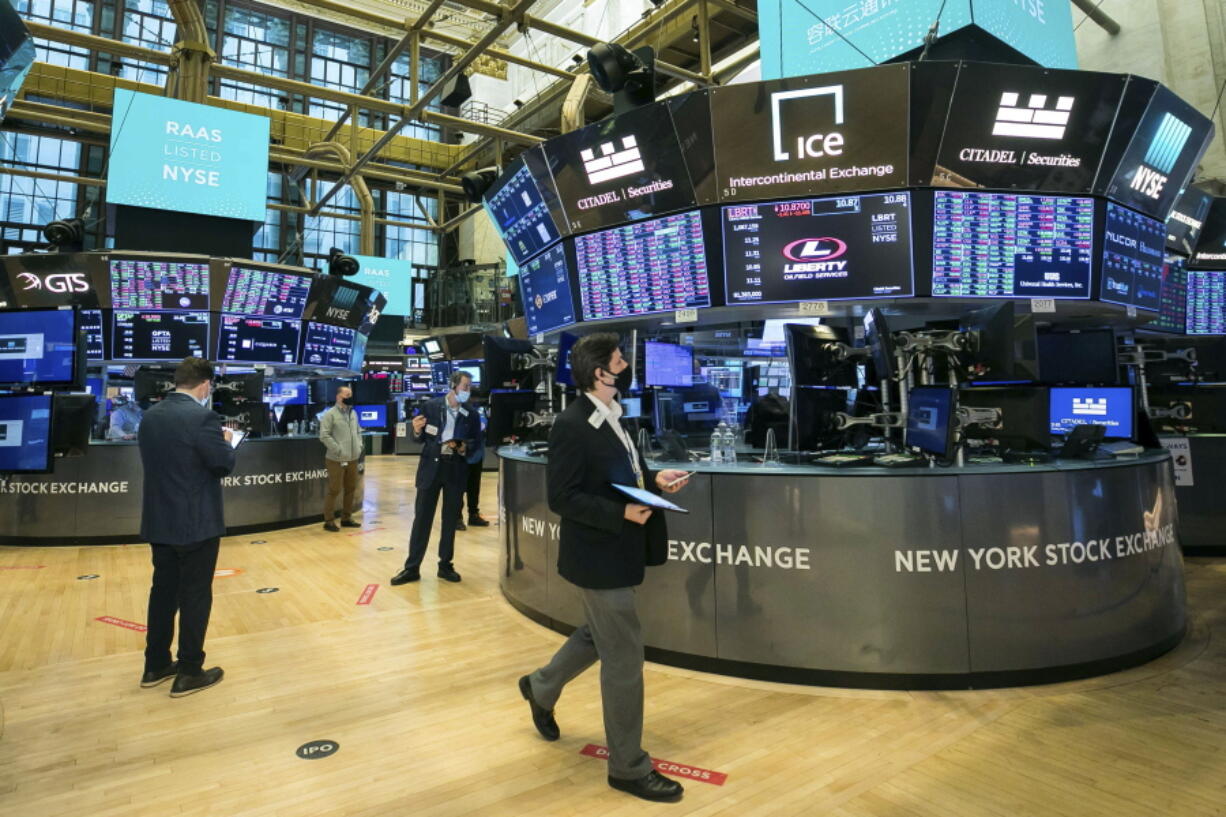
point(520, 213)
point(1134, 249)
point(1011, 245)
point(1173, 300)
point(472, 368)
point(288, 393)
point(25, 432)
point(930, 419)
point(95, 341)
point(391, 276)
point(159, 335)
point(174, 155)
point(372, 416)
point(1206, 303)
point(1110, 406)
point(668, 364)
point(544, 284)
point(248, 339)
point(327, 345)
point(37, 346)
point(271, 293)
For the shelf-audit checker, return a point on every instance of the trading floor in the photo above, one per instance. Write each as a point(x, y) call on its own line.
point(412, 692)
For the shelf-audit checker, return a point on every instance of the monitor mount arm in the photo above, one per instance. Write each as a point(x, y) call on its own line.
point(843, 352)
point(978, 416)
point(534, 419)
point(1179, 411)
point(883, 420)
point(951, 341)
point(1140, 355)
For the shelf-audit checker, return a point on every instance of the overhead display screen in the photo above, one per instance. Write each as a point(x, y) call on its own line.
point(343, 302)
point(245, 339)
point(37, 346)
point(151, 335)
point(1165, 148)
point(652, 266)
point(95, 340)
point(1172, 298)
point(174, 155)
point(141, 283)
point(814, 135)
point(1211, 247)
point(55, 279)
point(1206, 302)
point(255, 291)
point(818, 249)
point(626, 168)
point(544, 284)
point(1133, 258)
point(1026, 127)
point(1010, 245)
point(393, 277)
point(518, 209)
point(1187, 219)
point(326, 345)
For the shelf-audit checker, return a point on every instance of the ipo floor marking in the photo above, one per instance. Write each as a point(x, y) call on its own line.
point(368, 594)
point(678, 770)
point(119, 622)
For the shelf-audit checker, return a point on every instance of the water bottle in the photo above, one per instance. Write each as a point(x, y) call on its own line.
point(729, 447)
point(717, 447)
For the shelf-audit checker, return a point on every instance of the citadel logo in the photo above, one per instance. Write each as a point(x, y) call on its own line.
point(1089, 407)
point(55, 282)
point(612, 162)
point(1035, 120)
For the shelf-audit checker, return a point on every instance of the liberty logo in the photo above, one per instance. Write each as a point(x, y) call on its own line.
point(1034, 120)
point(1160, 158)
point(1089, 407)
point(811, 146)
point(608, 162)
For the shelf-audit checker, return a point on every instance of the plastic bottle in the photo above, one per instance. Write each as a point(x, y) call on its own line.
point(729, 446)
point(717, 447)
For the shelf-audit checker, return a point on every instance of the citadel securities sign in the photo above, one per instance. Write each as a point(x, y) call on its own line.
point(173, 155)
point(831, 133)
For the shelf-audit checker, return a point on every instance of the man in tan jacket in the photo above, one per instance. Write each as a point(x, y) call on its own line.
point(342, 437)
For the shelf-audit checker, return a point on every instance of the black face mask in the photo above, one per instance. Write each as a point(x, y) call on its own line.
point(347, 401)
point(621, 380)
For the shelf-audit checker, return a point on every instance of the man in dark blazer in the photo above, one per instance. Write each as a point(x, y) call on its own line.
point(605, 545)
point(185, 453)
point(448, 430)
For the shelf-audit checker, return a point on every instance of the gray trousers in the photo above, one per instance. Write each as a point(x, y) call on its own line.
point(611, 633)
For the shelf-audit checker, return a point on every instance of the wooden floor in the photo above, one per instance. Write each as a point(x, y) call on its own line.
point(418, 689)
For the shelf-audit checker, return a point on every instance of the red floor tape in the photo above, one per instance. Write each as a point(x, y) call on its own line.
point(678, 770)
point(119, 622)
point(368, 594)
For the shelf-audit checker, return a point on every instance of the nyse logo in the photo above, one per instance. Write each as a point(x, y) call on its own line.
point(1154, 172)
point(813, 145)
point(1034, 120)
point(1089, 407)
point(608, 161)
point(338, 313)
point(55, 282)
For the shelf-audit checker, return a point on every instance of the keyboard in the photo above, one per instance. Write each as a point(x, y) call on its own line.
point(843, 460)
point(1122, 448)
point(898, 460)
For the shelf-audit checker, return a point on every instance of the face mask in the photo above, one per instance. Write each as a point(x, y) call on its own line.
point(205, 401)
point(621, 380)
point(462, 396)
point(347, 401)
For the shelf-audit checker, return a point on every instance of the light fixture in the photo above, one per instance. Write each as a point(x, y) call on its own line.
point(629, 75)
point(476, 182)
point(341, 264)
point(517, 103)
point(694, 26)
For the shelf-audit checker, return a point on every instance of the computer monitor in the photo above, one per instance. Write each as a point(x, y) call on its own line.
point(811, 422)
point(440, 375)
point(40, 346)
point(632, 407)
point(73, 421)
point(288, 393)
point(1025, 423)
point(25, 433)
point(472, 368)
point(668, 364)
point(253, 339)
point(1113, 407)
point(373, 416)
point(566, 342)
point(252, 417)
point(153, 384)
point(1084, 357)
point(372, 391)
point(247, 387)
point(813, 352)
point(930, 415)
point(499, 370)
point(1001, 344)
point(877, 337)
point(505, 414)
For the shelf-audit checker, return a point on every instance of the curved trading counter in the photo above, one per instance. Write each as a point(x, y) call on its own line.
point(96, 499)
point(987, 575)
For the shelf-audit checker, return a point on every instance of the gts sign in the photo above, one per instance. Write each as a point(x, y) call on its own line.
point(812, 145)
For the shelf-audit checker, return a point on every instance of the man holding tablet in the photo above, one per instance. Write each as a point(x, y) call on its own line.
point(606, 542)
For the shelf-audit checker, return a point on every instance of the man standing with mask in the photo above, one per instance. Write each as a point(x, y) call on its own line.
point(605, 544)
point(448, 431)
point(342, 437)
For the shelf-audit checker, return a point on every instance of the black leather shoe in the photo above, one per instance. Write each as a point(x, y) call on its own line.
point(459, 525)
point(478, 522)
point(152, 679)
point(349, 523)
point(448, 574)
point(542, 718)
point(187, 684)
point(331, 526)
point(652, 786)
point(405, 576)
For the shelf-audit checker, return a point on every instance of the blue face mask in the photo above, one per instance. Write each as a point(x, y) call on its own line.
point(462, 396)
point(204, 401)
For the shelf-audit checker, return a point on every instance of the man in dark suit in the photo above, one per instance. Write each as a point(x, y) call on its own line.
point(449, 432)
point(185, 453)
point(605, 545)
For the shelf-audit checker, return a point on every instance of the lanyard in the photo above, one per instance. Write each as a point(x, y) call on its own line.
point(626, 444)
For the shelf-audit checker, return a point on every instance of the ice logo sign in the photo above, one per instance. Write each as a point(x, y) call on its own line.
point(813, 145)
point(608, 162)
point(1035, 120)
point(1089, 407)
point(1160, 159)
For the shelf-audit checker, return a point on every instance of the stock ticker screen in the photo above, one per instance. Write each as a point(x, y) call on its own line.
point(274, 294)
point(95, 343)
point(544, 284)
point(818, 249)
point(158, 335)
point(247, 339)
point(327, 345)
point(1206, 302)
point(650, 266)
point(521, 215)
point(1010, 245)
point(152, 284)
point(1134, 248)
point(1173, 297)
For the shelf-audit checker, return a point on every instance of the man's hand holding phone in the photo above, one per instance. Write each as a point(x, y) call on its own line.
point(672, 480)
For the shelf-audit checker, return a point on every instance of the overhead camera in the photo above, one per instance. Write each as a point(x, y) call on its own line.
point(630, 76)
point(66, 235)
point(476, 182)
point(341, 264)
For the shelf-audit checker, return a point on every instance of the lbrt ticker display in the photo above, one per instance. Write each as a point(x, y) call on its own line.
point(254, 291)
point(818, 249)
point(650, 266)
point(145, 284)
point(1011, 245)
point(1206, 302)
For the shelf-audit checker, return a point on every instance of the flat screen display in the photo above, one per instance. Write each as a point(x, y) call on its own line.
point(372, 416)
point(1172, 298)
point(440, 375)
point(255, 291)
point(1211, 248)
point(55, 279)
point(141, 283)
point(1011, 245)
point(625, 168)
point(810, 135)
point(544, 283)
point(818, 249)
point(472, 368)
point(518, 209)
point(1187, 219)
point(243, 339)
point(930, 419)
point(288, 393)
point(652, 266)
point(1085, 357)
point(163, 335)
point(25, 433)
point(668, 364)
point(1111, 407)
point(1133, 256)
point(1206, 304)
point(393, 277)
point(327, 345)
point(38, 346)
point(343, 302)
point(95, 339)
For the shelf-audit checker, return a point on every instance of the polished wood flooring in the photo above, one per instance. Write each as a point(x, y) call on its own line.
point(418, 689)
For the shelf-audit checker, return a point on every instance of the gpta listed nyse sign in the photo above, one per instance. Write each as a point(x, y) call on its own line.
point(177, 147)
